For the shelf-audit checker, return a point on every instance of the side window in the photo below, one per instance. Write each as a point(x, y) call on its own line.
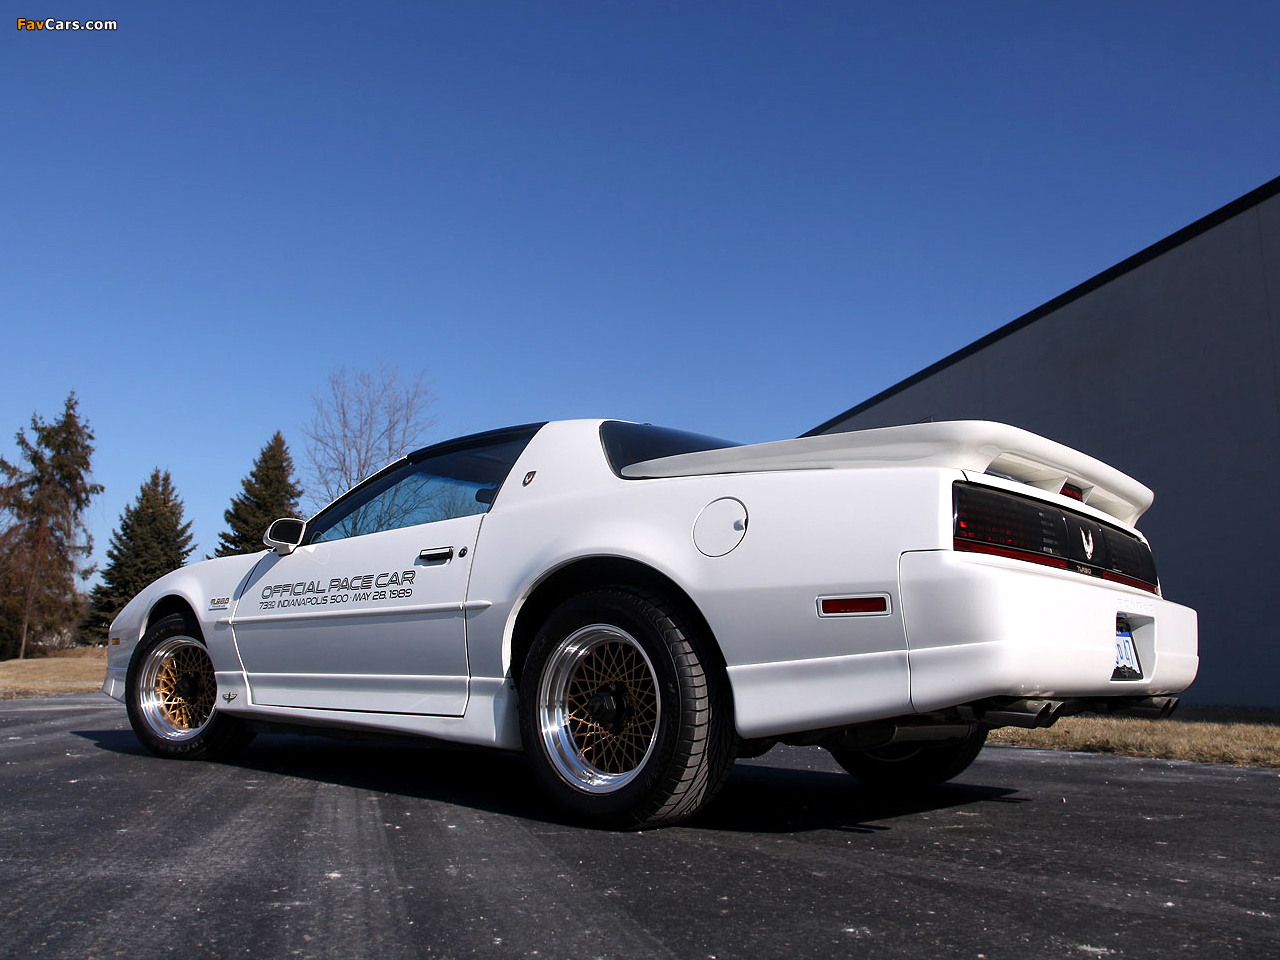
point(626, 444)
point(456, 482)
point(419, 497)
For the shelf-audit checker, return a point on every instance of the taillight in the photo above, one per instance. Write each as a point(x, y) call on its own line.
point(1005, 525)
point(988, 521)
point(1131, 560)
point(1072, 491)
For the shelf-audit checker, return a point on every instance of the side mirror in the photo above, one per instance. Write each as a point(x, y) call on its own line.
point(486, 495)
point(284, 535)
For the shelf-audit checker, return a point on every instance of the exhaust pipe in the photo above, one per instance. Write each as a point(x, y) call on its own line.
point(931, 732)
point(1029, 714)
point(956, 723)
point(1035, 713)
point(881, 733)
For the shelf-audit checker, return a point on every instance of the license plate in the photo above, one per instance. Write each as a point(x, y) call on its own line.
point(1127, 665)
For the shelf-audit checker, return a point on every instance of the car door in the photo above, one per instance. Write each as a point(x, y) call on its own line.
point(368, 614)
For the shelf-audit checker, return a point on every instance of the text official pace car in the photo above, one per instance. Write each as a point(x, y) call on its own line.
point(636, 607)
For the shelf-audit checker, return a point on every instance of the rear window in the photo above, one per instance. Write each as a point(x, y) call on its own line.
point(628, 443)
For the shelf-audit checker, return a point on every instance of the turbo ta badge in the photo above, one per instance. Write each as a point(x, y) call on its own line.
point(528, 478)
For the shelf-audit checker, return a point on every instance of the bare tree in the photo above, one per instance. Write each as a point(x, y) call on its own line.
point(365, 420)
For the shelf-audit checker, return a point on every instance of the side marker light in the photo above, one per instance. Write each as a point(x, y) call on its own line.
point(852, 606)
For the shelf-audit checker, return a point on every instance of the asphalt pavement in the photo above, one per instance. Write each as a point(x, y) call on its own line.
point(308, 847)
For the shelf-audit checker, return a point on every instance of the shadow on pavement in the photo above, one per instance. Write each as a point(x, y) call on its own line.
point(759, 798)
point(766, 799)
point(114, 741)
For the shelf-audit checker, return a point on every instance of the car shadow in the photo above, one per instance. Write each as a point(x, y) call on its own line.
point(494, 781)
point(114, 741)
point(782, 799)
point(760, 796)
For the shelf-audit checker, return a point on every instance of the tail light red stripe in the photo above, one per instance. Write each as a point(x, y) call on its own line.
point(974, 546)
point(1002, 524)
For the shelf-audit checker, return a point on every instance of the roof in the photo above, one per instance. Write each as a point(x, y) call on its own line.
point(1203, 225)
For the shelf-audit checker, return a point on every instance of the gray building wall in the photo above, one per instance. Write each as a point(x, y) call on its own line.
point(1166, 367)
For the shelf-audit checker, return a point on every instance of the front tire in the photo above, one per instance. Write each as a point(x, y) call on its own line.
point(171, 696)
point(624, 717)
point(907, 766)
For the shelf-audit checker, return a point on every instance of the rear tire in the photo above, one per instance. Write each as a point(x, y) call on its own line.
point(624, 717)
point(171, 696)
point(905, 766)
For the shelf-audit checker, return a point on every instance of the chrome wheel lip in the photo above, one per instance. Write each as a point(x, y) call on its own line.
point(553, 713)
point(150, 697)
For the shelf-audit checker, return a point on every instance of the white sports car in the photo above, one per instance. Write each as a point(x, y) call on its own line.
point(634, 607)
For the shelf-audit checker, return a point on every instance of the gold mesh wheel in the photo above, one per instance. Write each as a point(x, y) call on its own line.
point(178, 689)
point(598, 708)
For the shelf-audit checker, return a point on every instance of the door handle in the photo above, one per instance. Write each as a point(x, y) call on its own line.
point(436, 555)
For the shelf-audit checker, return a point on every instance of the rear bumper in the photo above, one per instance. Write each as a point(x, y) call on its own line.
point(980, 626)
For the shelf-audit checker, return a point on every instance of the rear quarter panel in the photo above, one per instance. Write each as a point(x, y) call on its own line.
point(809, 533)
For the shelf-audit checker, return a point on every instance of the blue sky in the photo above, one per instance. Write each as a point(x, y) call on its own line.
point(737, 218)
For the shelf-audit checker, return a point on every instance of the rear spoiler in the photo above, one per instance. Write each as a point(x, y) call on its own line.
point(980, 446)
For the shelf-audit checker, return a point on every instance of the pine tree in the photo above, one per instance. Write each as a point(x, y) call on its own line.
point(45, 538)
point(268, 493)
point(150, 541)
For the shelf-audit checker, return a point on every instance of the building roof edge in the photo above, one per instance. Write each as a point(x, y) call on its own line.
point(1233, 209)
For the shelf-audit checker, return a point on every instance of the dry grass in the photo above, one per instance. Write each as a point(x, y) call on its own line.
point(70, 653)
point(75, 670)
point(1249, 738)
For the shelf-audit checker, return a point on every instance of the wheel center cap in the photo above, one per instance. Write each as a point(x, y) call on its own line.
point(604, 708)
point(187, 687)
